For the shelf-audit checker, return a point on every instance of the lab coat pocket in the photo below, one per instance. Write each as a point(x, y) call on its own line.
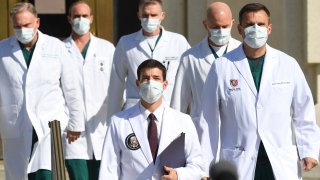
point(289, 160)
point(236, 156)
point(9, 126)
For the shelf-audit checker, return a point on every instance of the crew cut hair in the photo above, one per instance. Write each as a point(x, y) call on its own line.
point(148, 2)
point(252, 7)
point(76, 3)
point(152, 63)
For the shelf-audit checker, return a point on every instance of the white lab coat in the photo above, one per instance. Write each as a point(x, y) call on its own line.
point(282, 114)
point(33, 97)
point(95, 72)
point(120, 163)
point(130, 52)
point(192, 73)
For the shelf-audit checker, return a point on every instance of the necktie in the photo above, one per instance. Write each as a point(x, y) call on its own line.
point(153, 136)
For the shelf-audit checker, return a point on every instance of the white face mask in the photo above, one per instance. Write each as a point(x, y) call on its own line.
point(81, 25)
point(255, 36)
point(151, 91)
point(150, 25)
point(220, 36)
point(24, 35)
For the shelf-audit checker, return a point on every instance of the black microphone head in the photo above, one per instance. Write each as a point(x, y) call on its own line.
point(223, 170)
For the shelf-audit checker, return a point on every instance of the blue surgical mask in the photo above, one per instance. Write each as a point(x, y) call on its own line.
point(150, 25)
point(81, 25)
point(255, 36)
point(220, 37)
point(151, 91)
point(24, 35)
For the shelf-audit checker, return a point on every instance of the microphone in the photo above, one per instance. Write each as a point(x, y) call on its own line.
point(223, 170)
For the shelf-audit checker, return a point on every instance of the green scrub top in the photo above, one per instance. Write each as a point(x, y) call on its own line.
point(85, 49)
point(256, 67)
point(27, 54)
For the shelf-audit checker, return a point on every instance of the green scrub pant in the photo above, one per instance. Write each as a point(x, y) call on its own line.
point(41, 174)
point(79, 169)
point(263, 166)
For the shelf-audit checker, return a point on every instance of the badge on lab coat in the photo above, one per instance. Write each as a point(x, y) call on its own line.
point(132, 142)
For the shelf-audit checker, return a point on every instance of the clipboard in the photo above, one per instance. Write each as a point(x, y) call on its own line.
point(174, 155)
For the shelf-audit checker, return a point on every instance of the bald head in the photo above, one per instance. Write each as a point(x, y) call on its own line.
point(219, 16)
point(218, 10)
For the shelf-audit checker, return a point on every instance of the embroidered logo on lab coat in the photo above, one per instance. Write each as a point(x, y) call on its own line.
point(132, 142)
point(234, 85)
point(234, 82)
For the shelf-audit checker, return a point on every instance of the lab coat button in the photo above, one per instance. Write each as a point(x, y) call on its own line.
point(101, 69)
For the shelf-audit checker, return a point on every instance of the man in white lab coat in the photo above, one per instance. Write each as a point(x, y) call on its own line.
point(38, 85)
point(138, 137)
point(196, 62)
point(94, 59)
point(152, 41)
point(263, 104)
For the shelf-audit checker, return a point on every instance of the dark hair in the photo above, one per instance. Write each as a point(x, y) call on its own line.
point(252, 7)
point(76, 3)
point(148, 2)
point(151, 63)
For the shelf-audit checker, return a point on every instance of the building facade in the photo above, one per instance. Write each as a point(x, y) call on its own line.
point(295, 27)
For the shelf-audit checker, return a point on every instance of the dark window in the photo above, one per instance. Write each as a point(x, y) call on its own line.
point(126, 18)
point(56, 25)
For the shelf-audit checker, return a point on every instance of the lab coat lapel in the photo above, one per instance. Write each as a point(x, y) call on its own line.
point(163, 39)
point(241, 63)
point(206, 51)
point(17, 52)
point(141, 134)
point(73, 49)
point(267, 71)
point(142, 44)
point(168, 130)
point(38, 49)
point(91, 52)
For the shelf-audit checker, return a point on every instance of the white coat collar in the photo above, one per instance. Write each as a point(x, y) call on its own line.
point(17, 52)
point(140, 37)
point(72, 47)
point(206, 51)
point(143, 44)
point(240, 61)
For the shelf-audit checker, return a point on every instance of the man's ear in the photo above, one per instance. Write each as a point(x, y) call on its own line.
point(165, 84)
point(91, 19)
point(204, 22)
point(137, 83)
point(239, 27)
point(163, 15)
point(269, 29)
point(69, 20)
